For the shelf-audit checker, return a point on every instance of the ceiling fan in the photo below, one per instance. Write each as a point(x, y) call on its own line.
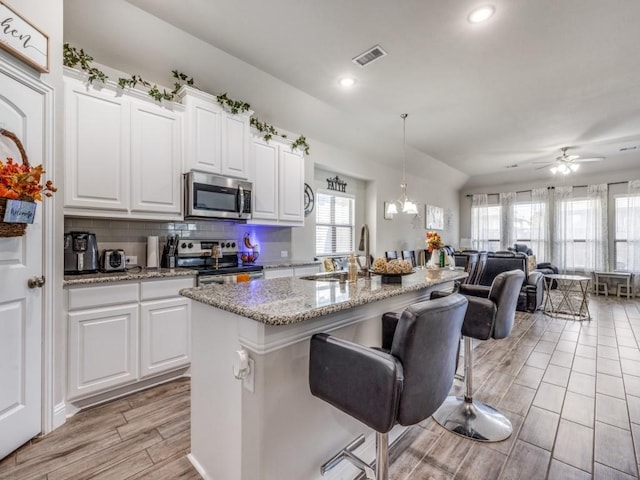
point(565, 164)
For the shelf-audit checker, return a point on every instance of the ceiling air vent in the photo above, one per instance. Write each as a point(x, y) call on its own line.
point(374, 53)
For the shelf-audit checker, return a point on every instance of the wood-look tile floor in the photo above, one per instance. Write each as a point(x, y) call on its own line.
point(571, 390)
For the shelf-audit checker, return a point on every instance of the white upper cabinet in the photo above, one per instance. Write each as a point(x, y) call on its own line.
point(216, 140)
point(203, 121)
point(265, 179)
point(123, 152)
point(97, 153)
point(291, 175)
point(155, 153)
point(278, 183)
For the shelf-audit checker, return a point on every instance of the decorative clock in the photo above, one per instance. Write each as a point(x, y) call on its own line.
point(309, 200)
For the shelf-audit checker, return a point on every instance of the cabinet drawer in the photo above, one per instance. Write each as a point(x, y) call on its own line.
point(307, 270)
point(99, 296)
point(278, 273)
point(165, 288)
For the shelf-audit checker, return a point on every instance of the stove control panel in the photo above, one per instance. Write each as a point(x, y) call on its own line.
point(199, 248)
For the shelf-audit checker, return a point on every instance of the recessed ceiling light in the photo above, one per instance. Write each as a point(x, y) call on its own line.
point(347, 82)
point(481, 14)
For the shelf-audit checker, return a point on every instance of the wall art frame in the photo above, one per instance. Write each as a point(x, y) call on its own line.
point(22, 39)
point(434, 218)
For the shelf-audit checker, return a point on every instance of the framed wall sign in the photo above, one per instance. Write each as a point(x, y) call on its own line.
point(434, 219)
point(23, 40)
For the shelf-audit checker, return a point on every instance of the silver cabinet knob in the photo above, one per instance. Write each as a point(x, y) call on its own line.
point(36, 282)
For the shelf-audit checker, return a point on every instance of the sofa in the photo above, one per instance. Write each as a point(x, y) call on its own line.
point(532, 292)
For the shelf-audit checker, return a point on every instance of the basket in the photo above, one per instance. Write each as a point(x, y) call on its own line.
point(12, 229)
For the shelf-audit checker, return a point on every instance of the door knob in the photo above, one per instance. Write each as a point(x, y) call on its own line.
point(36, 282)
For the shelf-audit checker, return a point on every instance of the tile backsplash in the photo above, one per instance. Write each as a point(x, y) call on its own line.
point(131, 236)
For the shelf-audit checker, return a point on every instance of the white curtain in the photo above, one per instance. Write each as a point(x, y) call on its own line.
point(480, 221)
point(540, 212)
point(580, 241)
point(597, 239)
point(633, 233)
point(507, 223)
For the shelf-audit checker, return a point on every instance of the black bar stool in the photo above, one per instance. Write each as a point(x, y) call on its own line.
point(380, 389)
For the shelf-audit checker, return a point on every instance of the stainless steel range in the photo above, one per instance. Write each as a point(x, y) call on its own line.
point(199, 255)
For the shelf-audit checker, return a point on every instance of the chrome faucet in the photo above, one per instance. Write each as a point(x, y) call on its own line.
point(364, 245)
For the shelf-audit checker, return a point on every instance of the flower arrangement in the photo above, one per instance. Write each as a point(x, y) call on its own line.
point(434, 241)
point(22, 182)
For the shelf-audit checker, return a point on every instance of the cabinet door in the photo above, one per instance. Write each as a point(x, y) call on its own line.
point(102, 349)
point(164, 335)
point(277, 273)
point(265, 179)
point(96, 124)
point(202, 135)
point(155, 160)
point(235, 145)
point(307, 270)
point(291, 186)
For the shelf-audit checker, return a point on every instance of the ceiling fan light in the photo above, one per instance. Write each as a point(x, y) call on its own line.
point(574, 167)
point(554, 170)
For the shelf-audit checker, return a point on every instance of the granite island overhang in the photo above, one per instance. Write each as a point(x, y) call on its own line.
point(269, 426)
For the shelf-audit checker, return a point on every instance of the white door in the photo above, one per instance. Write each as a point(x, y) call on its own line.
point(21, 112)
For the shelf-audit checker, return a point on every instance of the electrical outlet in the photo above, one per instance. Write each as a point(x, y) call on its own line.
point(284, 253)
point(132, 259)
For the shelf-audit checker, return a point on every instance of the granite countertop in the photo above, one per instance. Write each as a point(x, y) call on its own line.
point(289, 263)
point(283, 301)
point(133, 274)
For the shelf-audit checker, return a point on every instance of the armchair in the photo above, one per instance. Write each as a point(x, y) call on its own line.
point(532, 292)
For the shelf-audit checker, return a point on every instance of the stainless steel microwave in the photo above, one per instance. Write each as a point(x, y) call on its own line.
point(213, 196)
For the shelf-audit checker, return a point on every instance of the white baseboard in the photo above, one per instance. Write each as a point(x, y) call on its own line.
point(59, 415)
point(201, 471)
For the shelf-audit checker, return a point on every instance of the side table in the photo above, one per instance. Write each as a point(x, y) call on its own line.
point(566, 305)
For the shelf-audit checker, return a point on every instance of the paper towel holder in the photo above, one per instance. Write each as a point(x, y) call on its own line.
point(153, 259)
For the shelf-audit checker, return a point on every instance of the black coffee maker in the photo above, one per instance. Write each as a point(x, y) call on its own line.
point(80, 253)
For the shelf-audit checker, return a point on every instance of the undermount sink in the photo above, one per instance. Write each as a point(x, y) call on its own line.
point(341, 276)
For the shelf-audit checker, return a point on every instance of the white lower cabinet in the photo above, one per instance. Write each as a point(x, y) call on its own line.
point(307, 270)
point(122, 333)
point(164, 335)
point(102, 348)
point(277, 273)
point(296, 271)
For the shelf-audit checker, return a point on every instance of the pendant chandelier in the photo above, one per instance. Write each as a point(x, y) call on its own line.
point(403, 204)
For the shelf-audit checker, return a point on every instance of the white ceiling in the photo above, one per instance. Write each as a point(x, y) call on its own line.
point(539, 75)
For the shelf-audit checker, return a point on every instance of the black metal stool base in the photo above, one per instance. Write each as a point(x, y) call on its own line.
point(474, 420)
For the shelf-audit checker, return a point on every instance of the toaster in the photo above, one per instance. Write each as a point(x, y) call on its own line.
point(113, 261)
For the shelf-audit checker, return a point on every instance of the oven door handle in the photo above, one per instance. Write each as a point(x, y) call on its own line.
point(241, 200)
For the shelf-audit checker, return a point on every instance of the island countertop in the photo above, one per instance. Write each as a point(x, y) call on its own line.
point(284, 301)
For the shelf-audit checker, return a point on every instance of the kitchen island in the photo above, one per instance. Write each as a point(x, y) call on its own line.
point(269, 426)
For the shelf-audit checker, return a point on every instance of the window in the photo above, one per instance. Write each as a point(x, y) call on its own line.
point(485, 227)
point(530, 221)
point(574, 217)
point(335, 220)
point(624, 207)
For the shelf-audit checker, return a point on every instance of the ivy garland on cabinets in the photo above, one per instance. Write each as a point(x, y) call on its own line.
point(73, 57)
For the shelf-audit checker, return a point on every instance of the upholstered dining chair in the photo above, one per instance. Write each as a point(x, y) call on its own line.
point(402, 386)
point(409, 255)
point(391, 255)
